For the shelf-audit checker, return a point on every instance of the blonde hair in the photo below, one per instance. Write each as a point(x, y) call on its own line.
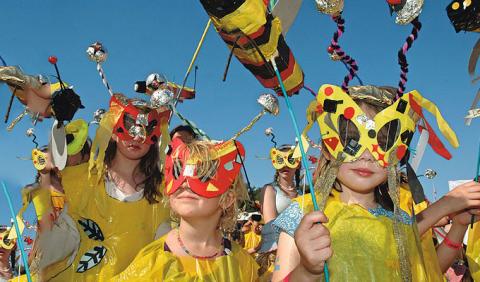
point(207, 167)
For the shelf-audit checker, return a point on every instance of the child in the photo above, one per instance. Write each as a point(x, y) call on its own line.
point(114, 200)
point(203, 185)
point(366, 233)
point(252, 233)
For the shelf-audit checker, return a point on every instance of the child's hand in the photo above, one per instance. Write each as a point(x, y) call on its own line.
point(465, 217)
point(313, 242)
point(465, 196)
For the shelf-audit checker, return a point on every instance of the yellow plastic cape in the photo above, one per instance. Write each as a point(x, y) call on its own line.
point(473, 251)
point(153, 263)
point(252, 240)
point(117, 230)
point(364, 247)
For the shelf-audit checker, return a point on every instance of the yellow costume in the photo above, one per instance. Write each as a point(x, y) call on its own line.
point(111, 232)
point(363, 243)
point(252, 239)
point(473, 251)
point(154, 263)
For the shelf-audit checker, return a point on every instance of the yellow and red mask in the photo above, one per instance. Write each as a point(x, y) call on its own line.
point(281, 158)
point(346, 129)
point(181, 167)
point(137, 119)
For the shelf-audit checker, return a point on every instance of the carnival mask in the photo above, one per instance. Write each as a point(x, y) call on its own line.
point(281, 159)
point(137, 120)
point(347, 130)
point(180, 167)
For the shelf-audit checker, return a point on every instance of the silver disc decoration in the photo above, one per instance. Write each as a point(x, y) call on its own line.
point(408, 12)
point(156, 81)
point(430, 173)
point(162, 97)
point(269, 131)
point(97, 53)
point(270, 103)
point(330, 7)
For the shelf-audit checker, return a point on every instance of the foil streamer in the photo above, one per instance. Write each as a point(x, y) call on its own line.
point(398, 228)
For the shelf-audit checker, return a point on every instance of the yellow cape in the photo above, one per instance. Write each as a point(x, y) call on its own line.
point(153, 263)
point(117, 230)
point(364, 247)
point(252, 239)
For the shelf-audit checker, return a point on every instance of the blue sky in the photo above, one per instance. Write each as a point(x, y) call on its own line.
point(160, 36)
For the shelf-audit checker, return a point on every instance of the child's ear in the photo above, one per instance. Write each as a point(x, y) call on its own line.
point(228, 200)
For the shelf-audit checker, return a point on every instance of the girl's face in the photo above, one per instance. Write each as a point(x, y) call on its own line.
point(287, 172)
point(362, 176)
point(187, 204)
point(132, 149)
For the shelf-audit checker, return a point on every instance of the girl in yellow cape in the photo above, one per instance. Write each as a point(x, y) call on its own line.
point(203, 184)
point(113, 205)
point(367, 230)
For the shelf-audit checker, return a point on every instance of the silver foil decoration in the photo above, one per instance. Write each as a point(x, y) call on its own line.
point(97, 53)
point(30, 132)
point(270, 103)
point(142, 119)
point(269, 131)
point(330, 7)
point(138, 131)
point(162, 97)
point(409, 11)
point(430, 173)
point(155, 81)
point(97, 116)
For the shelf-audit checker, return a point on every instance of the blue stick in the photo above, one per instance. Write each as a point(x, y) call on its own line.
point(302, 150)
point(19, 235)
point(3, 61)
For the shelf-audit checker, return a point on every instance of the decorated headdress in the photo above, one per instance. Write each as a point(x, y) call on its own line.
point(126, 118)
point(347, 131)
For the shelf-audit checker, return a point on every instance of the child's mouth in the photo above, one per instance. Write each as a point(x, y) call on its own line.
point(363, 172)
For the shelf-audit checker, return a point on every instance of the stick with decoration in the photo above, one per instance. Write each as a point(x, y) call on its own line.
point(269, 105)
point(98, 54)
point(17, 229)
point(302, 149)
point(192, 62)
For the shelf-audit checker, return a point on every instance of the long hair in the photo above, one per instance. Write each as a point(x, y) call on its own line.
point(148, 166)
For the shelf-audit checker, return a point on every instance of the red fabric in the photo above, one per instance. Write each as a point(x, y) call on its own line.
point(433, 139)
